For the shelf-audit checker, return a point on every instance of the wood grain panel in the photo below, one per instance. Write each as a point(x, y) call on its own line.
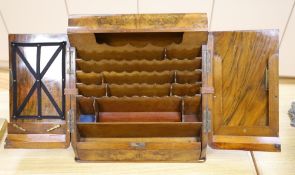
point(242, 83)
point(36, 130)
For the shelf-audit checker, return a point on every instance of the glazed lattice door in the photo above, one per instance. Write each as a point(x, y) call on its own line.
point(38, 80)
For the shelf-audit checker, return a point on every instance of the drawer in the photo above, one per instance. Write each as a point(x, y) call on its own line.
point(165, 141)
point(139, 149)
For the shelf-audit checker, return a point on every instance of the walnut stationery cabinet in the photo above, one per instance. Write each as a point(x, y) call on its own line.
point(154, 87)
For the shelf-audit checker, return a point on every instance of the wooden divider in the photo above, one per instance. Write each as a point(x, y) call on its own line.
point(137, 65)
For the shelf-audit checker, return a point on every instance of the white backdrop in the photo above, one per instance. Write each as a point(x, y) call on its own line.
point(50, 16)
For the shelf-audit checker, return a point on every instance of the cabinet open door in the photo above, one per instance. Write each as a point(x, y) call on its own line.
point(244, 105)
point(38, 103)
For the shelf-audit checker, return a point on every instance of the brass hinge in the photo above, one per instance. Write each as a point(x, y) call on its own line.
point(207, 90)
point(71, 91)
point(207, 120)
point(266, 78)
point(208, 61)
point(72, 56)
point(206, 55)
point(70, 121)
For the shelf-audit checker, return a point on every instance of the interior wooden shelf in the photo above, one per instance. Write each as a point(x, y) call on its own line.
point(148, 90)
point(139, 97)
point(153, 77)
point(168, 108)
point(138, 65)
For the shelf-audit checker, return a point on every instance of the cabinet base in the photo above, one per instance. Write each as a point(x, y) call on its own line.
point(36, 141)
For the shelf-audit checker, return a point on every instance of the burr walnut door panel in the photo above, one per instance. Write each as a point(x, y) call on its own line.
point(38, 75)
point(38, 117)
point(245, 101)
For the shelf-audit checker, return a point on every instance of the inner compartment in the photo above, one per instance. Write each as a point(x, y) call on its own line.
point(139, 77)
point(147, 83)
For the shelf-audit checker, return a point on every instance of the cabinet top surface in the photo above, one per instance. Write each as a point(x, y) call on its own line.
point(138, 23)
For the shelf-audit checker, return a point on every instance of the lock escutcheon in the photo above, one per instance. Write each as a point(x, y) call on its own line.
point(137, 145)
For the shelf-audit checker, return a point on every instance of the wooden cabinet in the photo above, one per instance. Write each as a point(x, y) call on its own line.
point(144, 88)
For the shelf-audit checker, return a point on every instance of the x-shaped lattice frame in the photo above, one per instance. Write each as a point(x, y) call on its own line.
point(38, 75)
